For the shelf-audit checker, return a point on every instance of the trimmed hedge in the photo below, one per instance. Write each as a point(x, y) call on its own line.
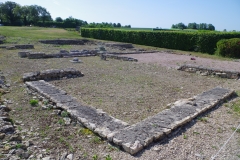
point(179, 40)
point(229, 47)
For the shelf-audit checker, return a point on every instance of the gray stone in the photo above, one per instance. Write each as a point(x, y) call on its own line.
point(64, 155)
point(23, 54)
point(15, 138)
point(36, 55)
point(25, 155)
point(19, 152)
point(2, 135)
point(75, 60)
point(70, 156)
point(46, 158)
point(204, 74)
point(67, 120)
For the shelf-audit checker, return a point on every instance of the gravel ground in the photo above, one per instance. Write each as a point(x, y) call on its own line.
point(176, 60)
point(130, 91)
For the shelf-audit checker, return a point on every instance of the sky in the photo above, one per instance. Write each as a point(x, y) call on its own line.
point(223, 14)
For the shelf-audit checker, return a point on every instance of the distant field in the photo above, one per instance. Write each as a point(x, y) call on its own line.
point(36, 33)
point(150, 29)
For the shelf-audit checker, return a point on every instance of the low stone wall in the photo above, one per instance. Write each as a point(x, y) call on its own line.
point(63, 53)
point(210, 71)
point(5, 121)
point(21, 46)
point(64, 41)
point(123, 58)
point(2, 39)
point(119, 45)
point(52, 74)
point(134, 52)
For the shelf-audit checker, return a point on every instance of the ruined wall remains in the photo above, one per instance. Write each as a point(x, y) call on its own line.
point(52, 74)
point(209, 71)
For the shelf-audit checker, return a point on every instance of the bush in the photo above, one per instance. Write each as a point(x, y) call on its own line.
point(180, 40)
point(229, 48)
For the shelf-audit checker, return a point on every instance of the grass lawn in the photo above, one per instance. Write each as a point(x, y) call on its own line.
point(37, 33)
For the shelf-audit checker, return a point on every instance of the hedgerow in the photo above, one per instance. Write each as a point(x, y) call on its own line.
point(188, 41)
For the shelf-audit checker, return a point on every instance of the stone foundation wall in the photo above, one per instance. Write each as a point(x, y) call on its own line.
point(22, 46)
point(120, 45)
point(210, 72)
point(63, 53)
point(121, 57)
point(136, 137)
point(64, 41)
point(52, 74)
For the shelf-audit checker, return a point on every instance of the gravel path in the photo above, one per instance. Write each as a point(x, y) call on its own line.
point(175, 60)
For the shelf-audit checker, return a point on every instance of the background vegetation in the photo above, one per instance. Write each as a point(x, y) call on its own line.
point(188, 41)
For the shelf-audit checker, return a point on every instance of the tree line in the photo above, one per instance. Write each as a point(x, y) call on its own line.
point(201, 26)
point(13, 14)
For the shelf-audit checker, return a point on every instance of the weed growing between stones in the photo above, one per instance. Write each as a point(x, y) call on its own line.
point(64, 114)
point(85, 131)
point(96, 140)
point(108, 157)
point(238, 130)
point(33, 102)
point(95, 157)
point(61, 121)
point(202, 119)
point(184, 136)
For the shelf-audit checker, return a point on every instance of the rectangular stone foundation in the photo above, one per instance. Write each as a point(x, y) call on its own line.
point(133, 138)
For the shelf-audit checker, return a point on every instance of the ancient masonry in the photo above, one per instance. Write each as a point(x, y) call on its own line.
point(135, 137)
point(66, 54)
point(52, 74)
point(5, 122)
point(20, 46)
point(209, 71)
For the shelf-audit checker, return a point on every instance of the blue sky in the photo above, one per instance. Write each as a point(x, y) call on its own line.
point(223, 14)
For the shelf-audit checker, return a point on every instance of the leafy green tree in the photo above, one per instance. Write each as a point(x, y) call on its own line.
point(59, 19)
point(22, 12)
point(181, 26)
point(33, 16)
point(174, 26)
point(119, 25)
point(192, 25)
point(43, 14)
point(211, 27)
point(7, 12)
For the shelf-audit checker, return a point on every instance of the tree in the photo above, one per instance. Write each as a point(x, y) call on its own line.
point(181, 26)
point(22, 12)
point(192, 25)
point(7, 12)
point(118, 25)
point(211, 27)
point(59, 19)
point(33, 16)
point(174, 26)
point(43, 14)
